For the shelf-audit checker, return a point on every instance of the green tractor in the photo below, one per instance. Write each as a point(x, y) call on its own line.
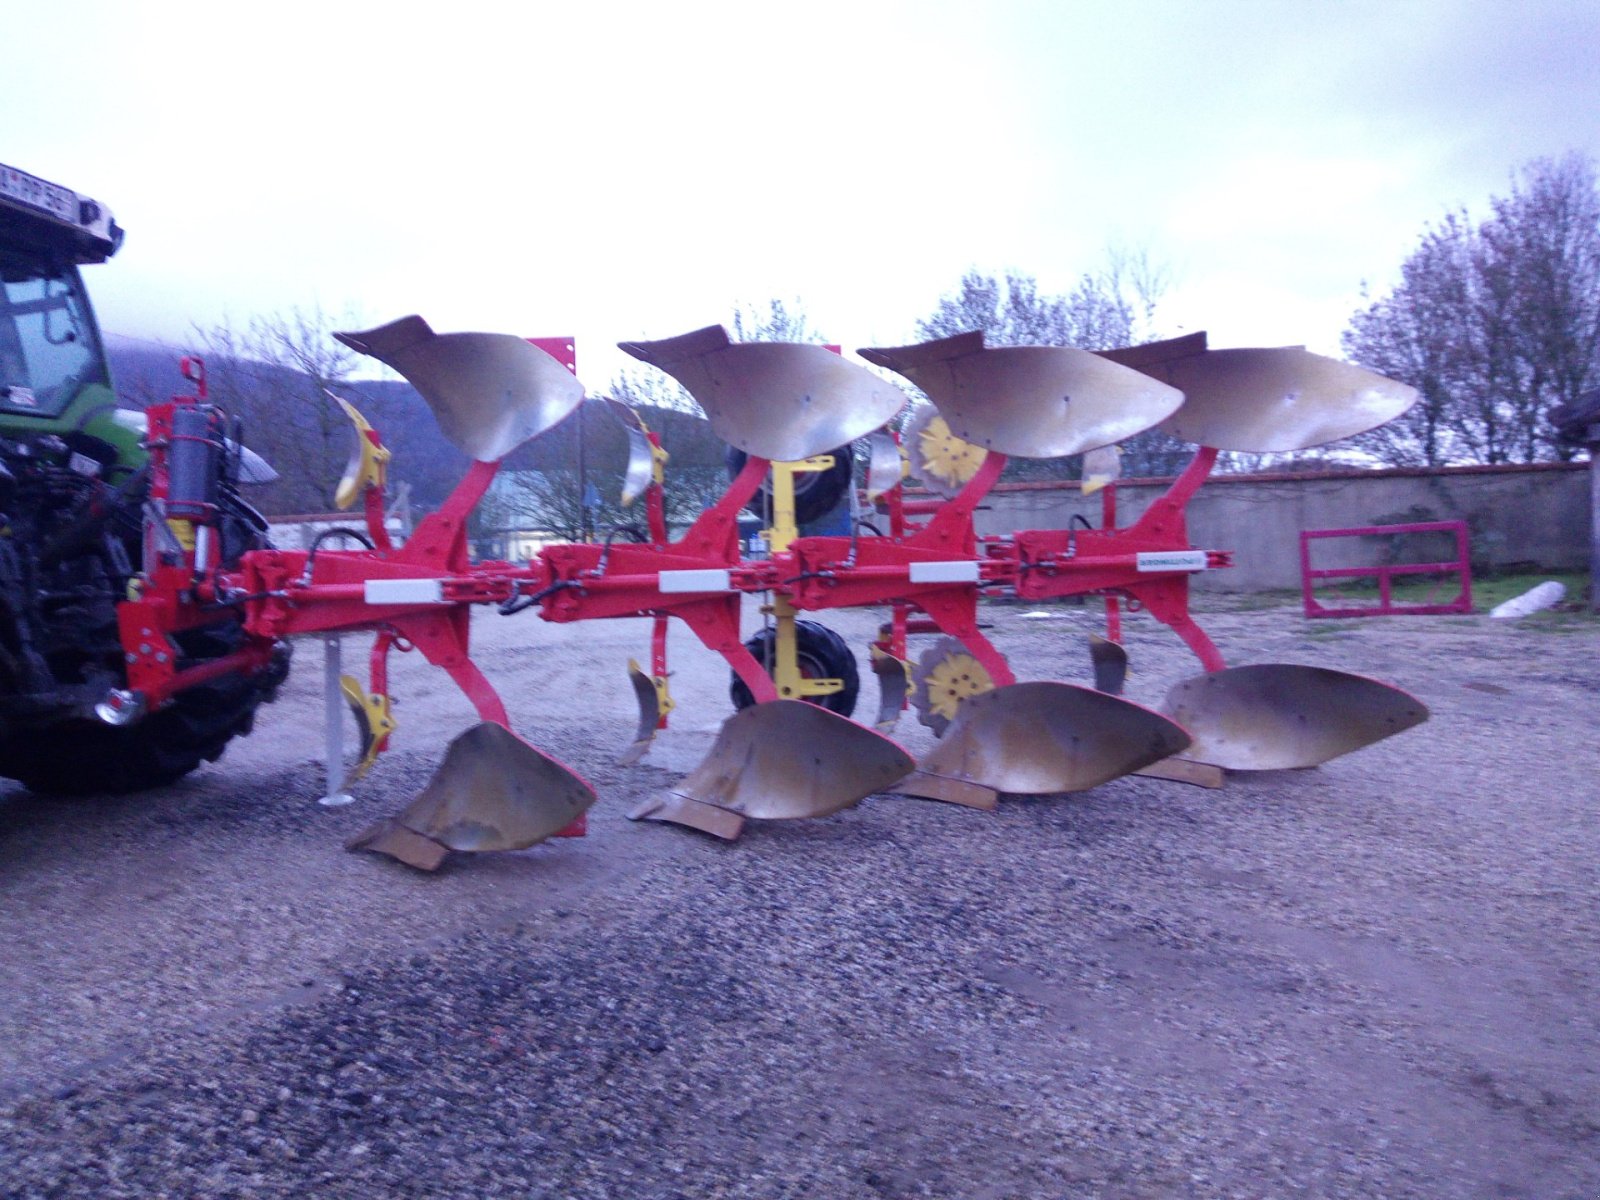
point(78, 528)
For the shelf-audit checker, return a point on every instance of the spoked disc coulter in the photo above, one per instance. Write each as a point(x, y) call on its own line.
point(944, 677)
point(941, 460)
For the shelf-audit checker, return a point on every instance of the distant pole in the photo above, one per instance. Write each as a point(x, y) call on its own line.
point(1594, 527)
point(1577, 423)
point(583, 481)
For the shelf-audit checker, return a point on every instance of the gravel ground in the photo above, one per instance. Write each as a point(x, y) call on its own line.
point(1374, 979)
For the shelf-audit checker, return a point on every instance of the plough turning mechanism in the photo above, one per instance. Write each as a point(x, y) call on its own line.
point(790, 410)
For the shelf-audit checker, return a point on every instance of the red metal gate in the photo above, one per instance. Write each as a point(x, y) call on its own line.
point(1386, 573)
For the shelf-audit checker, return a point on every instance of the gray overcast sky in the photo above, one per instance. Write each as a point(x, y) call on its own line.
point(634, 170)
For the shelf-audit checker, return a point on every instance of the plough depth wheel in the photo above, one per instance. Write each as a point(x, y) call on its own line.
point(815, 492)
point(822, 654)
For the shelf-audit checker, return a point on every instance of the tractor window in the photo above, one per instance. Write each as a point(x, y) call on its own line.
point(48, 348)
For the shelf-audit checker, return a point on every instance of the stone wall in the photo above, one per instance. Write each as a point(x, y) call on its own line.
point(1532, 516)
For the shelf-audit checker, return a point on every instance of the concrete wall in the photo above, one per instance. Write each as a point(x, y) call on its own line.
point(1534, 516)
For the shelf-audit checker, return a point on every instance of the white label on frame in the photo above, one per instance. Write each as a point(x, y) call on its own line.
point(405, 591)
point(1172, 560)
point(944, 572)
point(674, 583)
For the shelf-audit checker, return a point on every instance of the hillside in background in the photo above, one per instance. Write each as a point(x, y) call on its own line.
point(308, 440)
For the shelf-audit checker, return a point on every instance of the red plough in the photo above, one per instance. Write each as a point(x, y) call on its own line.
point(791, 408)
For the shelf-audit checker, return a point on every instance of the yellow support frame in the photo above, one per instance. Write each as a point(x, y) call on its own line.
point(791, 684)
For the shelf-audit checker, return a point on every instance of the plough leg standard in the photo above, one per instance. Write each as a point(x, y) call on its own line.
point(787, 408)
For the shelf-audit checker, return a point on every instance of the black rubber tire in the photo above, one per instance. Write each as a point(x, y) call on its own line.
point(815, 492)
point(79, 758)
point(823, 654)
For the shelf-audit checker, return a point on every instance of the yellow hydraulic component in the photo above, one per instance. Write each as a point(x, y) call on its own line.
point(792, 685)
point(368, 466)
point(784, 527)
point(373, 719)
point(183, 531)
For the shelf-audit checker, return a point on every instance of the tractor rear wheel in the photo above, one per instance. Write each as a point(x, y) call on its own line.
point(86, 757)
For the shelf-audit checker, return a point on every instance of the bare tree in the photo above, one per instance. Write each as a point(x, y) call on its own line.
point(274, 376)
point(1417, 334)
point(1114, 306)
point(1545, 240)
point(1495, 324)
point(773, 321)
point(1009, 309)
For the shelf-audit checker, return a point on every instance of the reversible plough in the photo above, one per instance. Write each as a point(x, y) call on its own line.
point(791, 409)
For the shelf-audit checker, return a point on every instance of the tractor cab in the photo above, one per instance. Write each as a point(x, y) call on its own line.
point(49, 345)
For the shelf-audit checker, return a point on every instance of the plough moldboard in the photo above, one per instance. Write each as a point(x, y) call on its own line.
point(791, 410)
